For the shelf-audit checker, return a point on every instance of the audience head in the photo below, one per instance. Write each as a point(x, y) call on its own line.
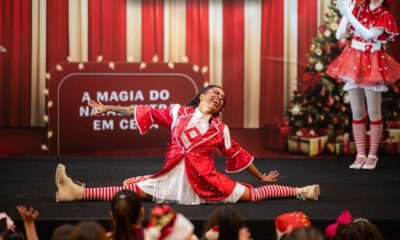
point(88, 230)
point(287, 222)
point(165, 224)
point(307, 233)
point(224, 221)
point(359, 229)
point(127, 213)
point(8, 229)
point(345, 228)
point(63, 232)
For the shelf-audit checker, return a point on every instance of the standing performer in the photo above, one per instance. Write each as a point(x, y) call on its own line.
point(188, 175)
point(366, 70)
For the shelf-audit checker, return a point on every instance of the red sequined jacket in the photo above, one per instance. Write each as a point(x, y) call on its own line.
point(196, 150)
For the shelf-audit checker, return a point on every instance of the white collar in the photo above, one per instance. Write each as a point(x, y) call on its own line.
point(201, 117)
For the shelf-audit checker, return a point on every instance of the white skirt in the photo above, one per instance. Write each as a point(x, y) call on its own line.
point(350, 85)
point(174, 187)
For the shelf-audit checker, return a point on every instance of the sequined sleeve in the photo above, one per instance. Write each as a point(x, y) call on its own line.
point(237, 159)
point(146, 116)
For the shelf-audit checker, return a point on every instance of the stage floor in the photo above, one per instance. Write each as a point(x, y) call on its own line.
point(371, 194)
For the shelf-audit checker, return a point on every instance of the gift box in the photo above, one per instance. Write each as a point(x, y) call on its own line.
point(276, 137)
point(331, 132)
point(393, 133)
point(310, 146)
point(330, 147)
point(347, 148)
point(391, 146)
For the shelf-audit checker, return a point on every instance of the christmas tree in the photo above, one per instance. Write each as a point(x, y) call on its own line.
point(319, 99)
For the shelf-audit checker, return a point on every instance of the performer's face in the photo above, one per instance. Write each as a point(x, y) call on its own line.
point(212, 101)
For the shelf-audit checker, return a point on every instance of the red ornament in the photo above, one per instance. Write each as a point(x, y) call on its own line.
point(330, 101)
point(335, 120)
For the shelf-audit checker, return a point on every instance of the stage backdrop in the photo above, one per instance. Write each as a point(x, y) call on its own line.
point(255, 49)
point(74, 128)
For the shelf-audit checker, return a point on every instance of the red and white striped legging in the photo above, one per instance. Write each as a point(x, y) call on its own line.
point(255, 194)
point(107, 193)
point(271, 191)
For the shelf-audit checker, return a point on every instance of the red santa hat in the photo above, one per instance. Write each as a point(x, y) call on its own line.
point(287, 222)
point(165, 224)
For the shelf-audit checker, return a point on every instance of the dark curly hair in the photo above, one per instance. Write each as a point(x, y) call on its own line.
point(194, 102)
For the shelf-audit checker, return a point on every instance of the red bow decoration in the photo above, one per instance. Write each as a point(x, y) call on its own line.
point(344, 218)
point(309, 81)
point(281, 122)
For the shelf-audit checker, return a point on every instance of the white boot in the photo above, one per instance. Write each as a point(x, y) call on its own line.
point(308, 192)
point(68, 191)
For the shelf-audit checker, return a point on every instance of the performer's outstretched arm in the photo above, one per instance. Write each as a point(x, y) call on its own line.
point(270, 177)
point(342, 29)
point(128, 110)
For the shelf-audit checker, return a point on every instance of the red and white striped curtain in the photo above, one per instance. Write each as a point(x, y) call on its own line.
point(254, 49)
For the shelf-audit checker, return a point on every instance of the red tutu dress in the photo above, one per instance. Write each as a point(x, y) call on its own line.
point(364, 64)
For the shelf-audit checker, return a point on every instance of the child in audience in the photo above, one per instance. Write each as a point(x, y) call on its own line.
point(358, 229)
point(127, 214)
point(287, 222)
point(165, 224)
point(225, 223)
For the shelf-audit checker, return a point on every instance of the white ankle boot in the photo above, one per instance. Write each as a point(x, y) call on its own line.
point(308, 192)
point(68, 191)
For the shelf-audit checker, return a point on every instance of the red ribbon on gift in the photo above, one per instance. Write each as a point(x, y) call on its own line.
point(346, 148)
point(319, 145)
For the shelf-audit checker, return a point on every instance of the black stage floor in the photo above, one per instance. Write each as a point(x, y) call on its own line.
point(371, 194)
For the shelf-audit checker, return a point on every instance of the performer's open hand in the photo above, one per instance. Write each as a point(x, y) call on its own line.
point(98, 106)
point(28, 215)
point(270, 177)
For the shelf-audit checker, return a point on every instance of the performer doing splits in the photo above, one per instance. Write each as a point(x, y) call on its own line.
point(366, 70)
point(188, 175)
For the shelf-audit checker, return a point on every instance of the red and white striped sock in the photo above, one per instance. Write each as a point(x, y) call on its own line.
point(376, 129)
point(359, 133)
point(107, 193)
point(271, 191)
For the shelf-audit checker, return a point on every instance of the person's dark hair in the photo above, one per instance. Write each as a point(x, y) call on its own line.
point(194, 102)
point(9, 235)
point(125, 207)
point(360, 229)
point(88, 230)
point(63, 232)
point(228, 220)
point(308, 233)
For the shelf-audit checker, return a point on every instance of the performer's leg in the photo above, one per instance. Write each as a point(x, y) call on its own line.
point(69, 191)
point(277, 191)
point(358, 109)
point(374, 100)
